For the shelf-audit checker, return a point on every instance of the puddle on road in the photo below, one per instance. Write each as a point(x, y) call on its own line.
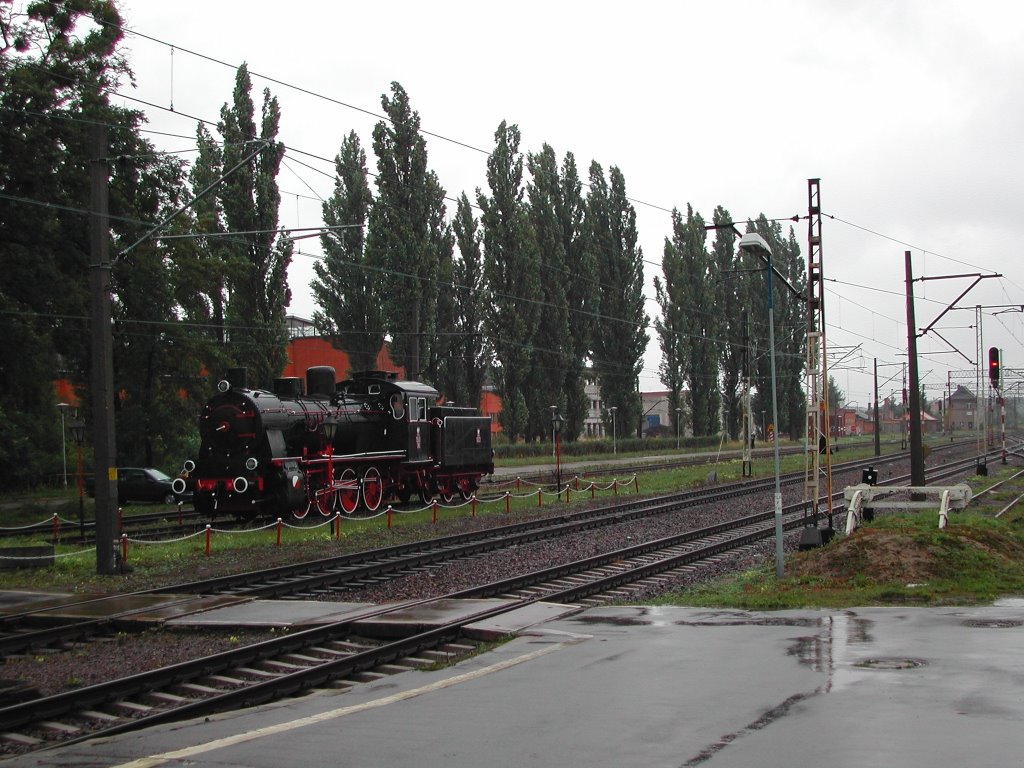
point(992, 623)
point(753, 621)
point(891, 663)
point(613, 621)
point(647, 616)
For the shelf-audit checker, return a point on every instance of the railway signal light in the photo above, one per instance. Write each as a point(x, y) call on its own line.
point(993, 366)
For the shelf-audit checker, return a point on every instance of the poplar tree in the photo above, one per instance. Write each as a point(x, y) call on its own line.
point(205, 277)
point(249, 196)
point(790, 329)
point(695, 318)
point(582, 296)
point(621, 340)
point(732, 308)
point(511, 271)
point(552, 346)
point(408, 239)
point(470, 350)
point(346, 289)
point(671, 330)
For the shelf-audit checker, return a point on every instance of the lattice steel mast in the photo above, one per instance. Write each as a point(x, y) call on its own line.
point(816, 432)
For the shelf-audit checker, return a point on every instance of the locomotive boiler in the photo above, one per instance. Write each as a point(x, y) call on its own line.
point(318, 444)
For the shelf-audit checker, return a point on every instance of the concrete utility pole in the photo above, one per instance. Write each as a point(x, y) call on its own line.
point(916, 453)
point(104, 452)
point(878, 436)
point(748, 416)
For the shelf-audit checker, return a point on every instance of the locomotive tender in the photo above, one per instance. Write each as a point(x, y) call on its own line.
point(333, 446)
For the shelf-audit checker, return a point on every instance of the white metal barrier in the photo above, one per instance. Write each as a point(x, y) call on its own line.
point(950, 497)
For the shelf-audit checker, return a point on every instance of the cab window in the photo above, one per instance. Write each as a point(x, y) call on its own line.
point(397, 406)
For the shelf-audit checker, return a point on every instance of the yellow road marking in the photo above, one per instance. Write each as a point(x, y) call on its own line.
point(259, 733)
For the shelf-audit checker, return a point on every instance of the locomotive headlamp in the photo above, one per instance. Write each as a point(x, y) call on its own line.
point(223, 385)
point(190, 466)
point(241, 485)
point(329, 427)
point(251, 463)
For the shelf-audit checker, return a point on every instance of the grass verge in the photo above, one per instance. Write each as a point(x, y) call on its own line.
point(895, 560)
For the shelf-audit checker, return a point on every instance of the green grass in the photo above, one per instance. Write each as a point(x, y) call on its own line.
point(895, 560)
point(174, 562)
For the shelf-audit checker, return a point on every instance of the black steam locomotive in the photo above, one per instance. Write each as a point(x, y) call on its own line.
point(333, 446)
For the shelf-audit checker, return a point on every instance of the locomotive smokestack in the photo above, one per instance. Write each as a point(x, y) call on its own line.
point(238, 378)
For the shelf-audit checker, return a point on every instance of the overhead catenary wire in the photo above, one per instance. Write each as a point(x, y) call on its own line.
point(484, 151)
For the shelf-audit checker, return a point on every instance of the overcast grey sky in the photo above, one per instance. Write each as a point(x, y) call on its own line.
point(910, 113)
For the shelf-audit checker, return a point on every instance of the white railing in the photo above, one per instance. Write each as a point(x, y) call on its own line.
point(863, 496)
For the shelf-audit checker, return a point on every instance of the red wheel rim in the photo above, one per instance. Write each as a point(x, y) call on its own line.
point(348, 495)
point(373, 489)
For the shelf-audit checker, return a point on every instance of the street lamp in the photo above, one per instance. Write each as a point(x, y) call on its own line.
point(613, 409)
point(77, 428)
point(63, 408)
point(556, 438)
point(554, 409)
point(754, 244)
point(678, 417)
point(330, 426)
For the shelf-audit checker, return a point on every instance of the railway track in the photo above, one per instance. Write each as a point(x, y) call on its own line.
point(312, 579)
point(175, 522)
point(34, 629)
point(329, 655)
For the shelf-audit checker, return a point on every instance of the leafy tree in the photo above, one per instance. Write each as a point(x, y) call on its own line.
point(53, 99)
point(470, 350)
point(732, 311)
point(619, 348)
point(582, 296)
point(790, 329)
point(205, 270)
point(551, 353)
point(56, 65)
point(345, 289)
point(511, 271)
point(157, 359)
point(836, 396)
point(793, 315)
point(249, 197)
point(408, 239)
point(671, 327)
point(695, 318)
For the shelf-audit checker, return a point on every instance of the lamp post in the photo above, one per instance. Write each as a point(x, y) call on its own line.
point(78, 435)
point(613, 409)
point(556, 437)
point(755, 244)
point(330, 426)
point(554, 409)
point(679, 412)
point(63, 408)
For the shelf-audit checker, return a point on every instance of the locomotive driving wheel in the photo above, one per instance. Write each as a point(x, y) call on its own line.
point(325, 501)
point(426, 494)
point(447, 492)
point(348, 494)
point(373, 488)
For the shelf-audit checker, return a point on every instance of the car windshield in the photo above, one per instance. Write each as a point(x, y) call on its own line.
point(158, 474)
